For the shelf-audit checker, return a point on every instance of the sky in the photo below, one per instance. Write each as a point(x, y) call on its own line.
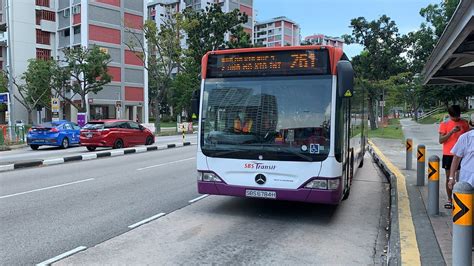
point(332, 17)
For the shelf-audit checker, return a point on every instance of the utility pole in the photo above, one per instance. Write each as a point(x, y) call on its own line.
point(11, 91)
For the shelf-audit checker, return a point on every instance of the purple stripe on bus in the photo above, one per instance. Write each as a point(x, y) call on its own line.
point(301, 194)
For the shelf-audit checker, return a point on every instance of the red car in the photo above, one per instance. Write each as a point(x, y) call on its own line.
point(114, 133)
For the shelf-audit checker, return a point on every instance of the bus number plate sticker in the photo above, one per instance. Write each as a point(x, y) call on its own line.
point(260, 194)
point(314, 148)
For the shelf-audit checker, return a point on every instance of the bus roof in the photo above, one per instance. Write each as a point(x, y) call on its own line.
point(335, 54)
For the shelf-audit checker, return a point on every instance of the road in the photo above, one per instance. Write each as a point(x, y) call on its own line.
point(47, 211)
point(227, 231)
point(45, 152)
point(98, 200)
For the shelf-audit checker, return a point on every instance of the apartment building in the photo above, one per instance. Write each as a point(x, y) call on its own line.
point(321, 39)
point(279, 31)
point(44, 29)
point(160, 10)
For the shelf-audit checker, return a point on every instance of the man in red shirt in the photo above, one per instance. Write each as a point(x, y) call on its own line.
point(449, 133)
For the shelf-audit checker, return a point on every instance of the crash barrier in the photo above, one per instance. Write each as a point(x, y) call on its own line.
point(420, 167)
point(11, 135)
point(462, 223)
point(433, 185)
point(409, 153)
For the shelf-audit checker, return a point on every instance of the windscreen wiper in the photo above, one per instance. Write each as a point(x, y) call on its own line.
point(305, 157)
point(222, 153)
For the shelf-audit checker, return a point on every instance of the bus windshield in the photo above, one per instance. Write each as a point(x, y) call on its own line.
point(269, 118)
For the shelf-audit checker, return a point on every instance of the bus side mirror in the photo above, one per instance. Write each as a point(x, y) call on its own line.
point(345, 79)
point(195, 99)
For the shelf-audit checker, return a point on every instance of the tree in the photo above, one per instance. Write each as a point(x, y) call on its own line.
point(207, 29)
point(164, 57)
point(381, 57)
point(181, 91)
point(81, 72)
point(438, 15)
point(34, 90)
point(421, 43)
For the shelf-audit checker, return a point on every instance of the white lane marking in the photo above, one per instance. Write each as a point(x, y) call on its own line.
point(53, 161)
point(46, 188)
point(198, 198)
point(89, 156)
point(62, 256)
point(163, 164)
point(146, 220)
point(7, 167)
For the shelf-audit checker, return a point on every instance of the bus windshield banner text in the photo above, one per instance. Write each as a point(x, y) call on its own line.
point(272, 63)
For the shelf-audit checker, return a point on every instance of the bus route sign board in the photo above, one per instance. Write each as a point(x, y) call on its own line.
point(271, 63)
point(3, 98)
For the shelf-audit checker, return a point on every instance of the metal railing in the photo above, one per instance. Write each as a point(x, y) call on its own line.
point(12, 135)
point(436, 110)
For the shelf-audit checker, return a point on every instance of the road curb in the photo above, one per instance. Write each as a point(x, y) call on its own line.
point(400, 237)
point(89, 156)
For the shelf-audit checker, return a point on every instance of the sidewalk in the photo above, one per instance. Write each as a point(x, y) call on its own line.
point(434, 234)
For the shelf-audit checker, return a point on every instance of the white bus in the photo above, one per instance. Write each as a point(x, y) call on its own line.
point(279, 123)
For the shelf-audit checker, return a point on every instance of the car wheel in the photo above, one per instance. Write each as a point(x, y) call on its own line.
point(118, 144)
point(65, 143)
point(149, 140)
point(91, 148)
point(34, 147)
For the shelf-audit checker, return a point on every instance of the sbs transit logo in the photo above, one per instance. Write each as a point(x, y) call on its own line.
point(259, 166)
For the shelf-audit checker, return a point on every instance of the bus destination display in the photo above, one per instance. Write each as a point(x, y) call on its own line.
point(300, 62)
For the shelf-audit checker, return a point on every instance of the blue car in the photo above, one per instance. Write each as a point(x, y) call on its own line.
point(57, 133)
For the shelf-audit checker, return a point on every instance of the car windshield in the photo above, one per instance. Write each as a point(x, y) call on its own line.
point(277, 118)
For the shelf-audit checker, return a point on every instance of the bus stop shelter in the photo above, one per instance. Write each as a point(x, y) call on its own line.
point(452, 60)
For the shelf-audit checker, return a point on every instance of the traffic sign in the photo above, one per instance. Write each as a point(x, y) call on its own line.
point(55, 105)
point(382, 103)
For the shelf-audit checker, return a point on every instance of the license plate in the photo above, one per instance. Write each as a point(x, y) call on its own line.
point(260, 194)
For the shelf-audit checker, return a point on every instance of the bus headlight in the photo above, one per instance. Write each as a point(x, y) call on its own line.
point(318, 184)
point(208, 177)
point(333, 184)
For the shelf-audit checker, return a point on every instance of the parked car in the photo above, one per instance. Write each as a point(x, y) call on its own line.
point(115, 133)
point(57, 133)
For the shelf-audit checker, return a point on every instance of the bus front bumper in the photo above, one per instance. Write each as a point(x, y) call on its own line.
point(302, 194)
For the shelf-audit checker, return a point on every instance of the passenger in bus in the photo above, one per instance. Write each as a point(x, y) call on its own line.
point(247, 128)
point(237, 124)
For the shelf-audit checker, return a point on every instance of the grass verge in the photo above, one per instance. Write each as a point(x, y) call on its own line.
point(392, 131)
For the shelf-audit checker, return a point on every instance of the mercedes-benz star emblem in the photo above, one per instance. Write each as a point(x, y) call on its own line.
point(260, 179)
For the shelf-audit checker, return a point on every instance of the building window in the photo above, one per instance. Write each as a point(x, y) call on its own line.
point(67, 32)
point(44, 3)
point(66, 13)
point(42, 37)
point(43, 54)
point(46, 15)
point(76, 10)
point(77, 30)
